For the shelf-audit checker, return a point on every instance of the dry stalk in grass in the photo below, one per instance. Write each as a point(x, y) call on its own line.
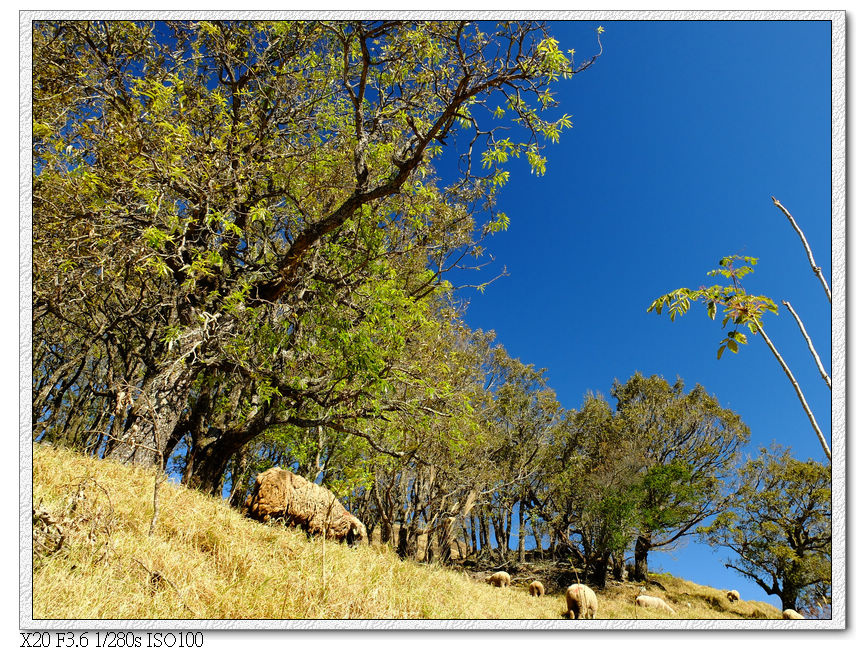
point(51, 531)
point(156, 579)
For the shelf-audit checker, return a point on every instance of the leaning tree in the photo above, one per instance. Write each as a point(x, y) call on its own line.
point(235, 224)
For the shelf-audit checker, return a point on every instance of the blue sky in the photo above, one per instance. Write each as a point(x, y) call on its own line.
point(682, 132)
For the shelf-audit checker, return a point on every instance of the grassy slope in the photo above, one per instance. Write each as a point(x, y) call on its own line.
point(204, 560)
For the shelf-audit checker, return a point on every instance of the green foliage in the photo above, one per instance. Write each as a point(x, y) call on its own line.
point(737, 305)
point(688, 445)
point(779, 526)
point(254, 205)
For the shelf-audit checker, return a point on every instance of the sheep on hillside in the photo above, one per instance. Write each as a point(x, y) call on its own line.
point(536, 588)
point(312, 507)
point(581, 601)
point(500, 579)
point(791, 614)
point(732, 595)
point(653, 602)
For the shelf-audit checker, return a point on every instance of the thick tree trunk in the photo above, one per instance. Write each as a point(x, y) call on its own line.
point(402, 543)
point(386, 531)
point(788, 598)
point(152, 418)
point(213, 450)
point(598, 574)
point(641, 558)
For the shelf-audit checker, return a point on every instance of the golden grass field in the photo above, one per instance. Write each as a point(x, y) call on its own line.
point(203, 560)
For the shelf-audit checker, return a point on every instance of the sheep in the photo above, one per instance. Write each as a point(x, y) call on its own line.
point(312, 507)
point(653, 602)
point(581, 602)
point(791, 614)
point(732, 595)
point(500, 579)
point(536, 588)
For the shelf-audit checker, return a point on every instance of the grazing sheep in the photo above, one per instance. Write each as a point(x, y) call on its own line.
point(536, 589)
point(791, 614)
point(500, 579)
point(280, 493)
point(581, 601)
point(653, 602)
point(732, 595)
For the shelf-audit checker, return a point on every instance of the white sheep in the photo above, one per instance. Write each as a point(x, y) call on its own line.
point(732, 595)
point(581, 601)
point(536, 588)
point(500, 579)
point(653, 602)
point(280, 493)
point(791, 614)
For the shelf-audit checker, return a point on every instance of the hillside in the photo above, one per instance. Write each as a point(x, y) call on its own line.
point(97, 558)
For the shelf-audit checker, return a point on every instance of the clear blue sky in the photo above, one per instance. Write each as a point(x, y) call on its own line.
point(682, 132)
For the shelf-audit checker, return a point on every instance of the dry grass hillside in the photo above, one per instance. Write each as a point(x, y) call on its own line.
point(95, 556)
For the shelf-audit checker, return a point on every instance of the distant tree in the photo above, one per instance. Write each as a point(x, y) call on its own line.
point(780, 527)
point(745, 309)
point(586, 495)
point(688, 445)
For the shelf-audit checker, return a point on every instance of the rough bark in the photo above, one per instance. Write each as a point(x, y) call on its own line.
point(598, 574)
point(641, 558)
point(153, 416)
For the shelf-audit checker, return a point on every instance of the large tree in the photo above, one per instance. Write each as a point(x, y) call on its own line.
point(780, 528)
point(237, 223)
point(689, 445)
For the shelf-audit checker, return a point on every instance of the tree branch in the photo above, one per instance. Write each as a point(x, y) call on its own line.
point(823, 374)
point(817, 271)
point(798, 390)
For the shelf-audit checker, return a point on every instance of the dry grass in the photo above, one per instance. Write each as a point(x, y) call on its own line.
point(204, 560)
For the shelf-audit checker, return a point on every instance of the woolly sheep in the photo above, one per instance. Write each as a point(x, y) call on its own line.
point(791, 614)
point(581, 601)
point(312, 507)
point(732, 595)
point(500, 579)
point(536, 589)
point(654, 602)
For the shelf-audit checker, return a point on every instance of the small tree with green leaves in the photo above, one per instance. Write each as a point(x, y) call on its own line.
point(688, 445)
point(780, 527)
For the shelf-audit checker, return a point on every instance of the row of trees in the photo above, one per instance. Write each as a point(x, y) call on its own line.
point(240, 249)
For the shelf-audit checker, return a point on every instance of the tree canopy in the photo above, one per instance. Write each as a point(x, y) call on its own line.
point(780, 528)
point(240, 225)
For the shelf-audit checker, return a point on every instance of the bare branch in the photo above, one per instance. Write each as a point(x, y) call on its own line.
point(823, 374)
point(798, 390)
point(817, 270)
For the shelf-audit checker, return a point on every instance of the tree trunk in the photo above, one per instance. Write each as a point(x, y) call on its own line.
point(619, 566)
point(598, 574)
point(212, 453)
point(788, 597)
point(402, 543)
point(152, 418)
point(521, 546)
point(386, 531)
point(641, 558)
